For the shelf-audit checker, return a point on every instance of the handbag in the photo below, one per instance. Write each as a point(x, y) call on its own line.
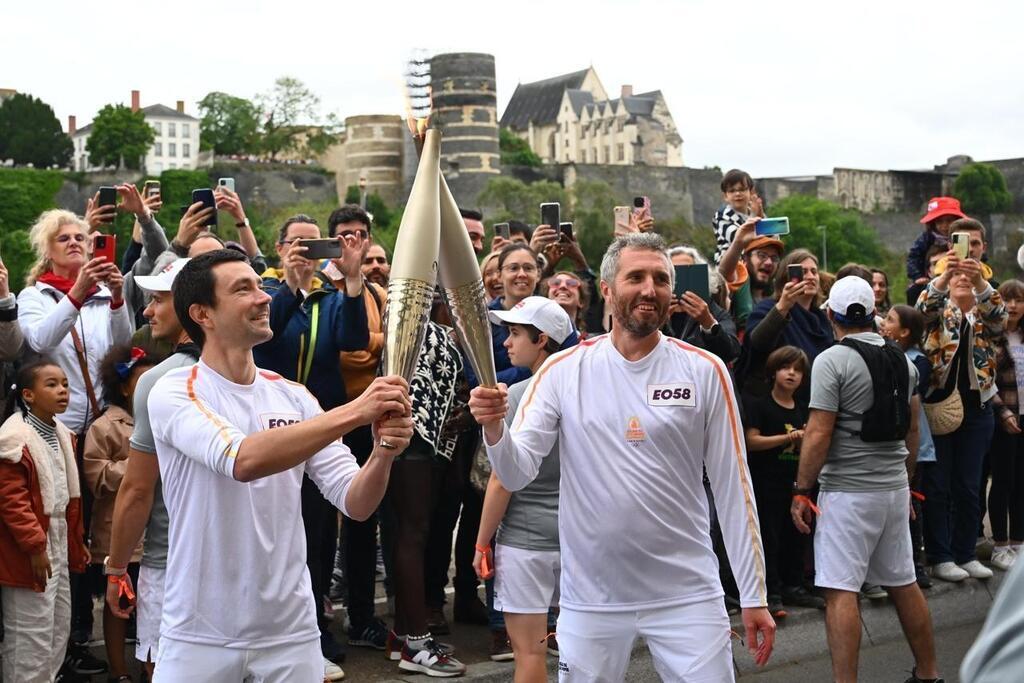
point(945, 416)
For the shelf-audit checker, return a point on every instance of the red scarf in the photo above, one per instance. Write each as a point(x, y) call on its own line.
point(63, 284)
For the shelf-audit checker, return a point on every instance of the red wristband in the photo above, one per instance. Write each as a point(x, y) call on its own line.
point(805, 499)
point(114, 305)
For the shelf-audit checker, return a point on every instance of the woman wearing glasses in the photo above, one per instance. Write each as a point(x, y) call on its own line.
point(571, 293)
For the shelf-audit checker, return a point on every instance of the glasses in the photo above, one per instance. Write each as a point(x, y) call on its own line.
point(567, 282)
point(514, 268)
point(361, 234)
point(767, 256)
point(65, 238)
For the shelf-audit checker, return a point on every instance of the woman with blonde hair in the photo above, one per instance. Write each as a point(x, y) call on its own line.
point(572, 293)
point(72, 310)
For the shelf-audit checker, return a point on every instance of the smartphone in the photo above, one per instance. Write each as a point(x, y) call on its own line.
point(184, 210)
point(621, 214)
point(565, 232)
point(151, 189)
point(104, 245)
point(551, 214)
point(772, 226)
point(693, 278)
point(108, 196)
point(205, 196)
point(321, 249)
point(795, 272)
point(642, 207)
point(961, 244)
point(502, 230)
point(228, 183)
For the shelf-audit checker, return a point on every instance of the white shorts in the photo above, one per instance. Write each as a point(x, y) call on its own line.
point(525, 581)
point(863, 537)
point(288, 663)
point(688, 643)
point(149, 610)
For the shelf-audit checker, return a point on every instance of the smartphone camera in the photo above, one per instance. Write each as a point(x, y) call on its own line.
point(795, 272)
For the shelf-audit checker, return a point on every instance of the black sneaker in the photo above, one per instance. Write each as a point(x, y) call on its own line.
point(923, 580)
point(430, 660)
point(374, 634)
point(331, 649)
point(82, 662)
point(801, 597)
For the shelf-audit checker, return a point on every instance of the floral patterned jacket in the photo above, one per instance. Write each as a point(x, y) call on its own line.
point(943, 319)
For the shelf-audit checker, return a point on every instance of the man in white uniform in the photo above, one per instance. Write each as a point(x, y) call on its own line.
point(638, 416)
point(234, 442)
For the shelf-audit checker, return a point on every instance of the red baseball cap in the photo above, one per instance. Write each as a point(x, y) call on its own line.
point(943, 206)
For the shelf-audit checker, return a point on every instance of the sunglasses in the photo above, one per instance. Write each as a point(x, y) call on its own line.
point(567, 282)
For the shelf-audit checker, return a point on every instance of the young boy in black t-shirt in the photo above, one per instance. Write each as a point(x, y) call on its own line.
point(774, 429)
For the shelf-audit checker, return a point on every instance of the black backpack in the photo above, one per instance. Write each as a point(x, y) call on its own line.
point(888, 418)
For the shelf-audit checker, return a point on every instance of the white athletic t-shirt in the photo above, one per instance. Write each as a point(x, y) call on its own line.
point(633, 515)
point(236, 561)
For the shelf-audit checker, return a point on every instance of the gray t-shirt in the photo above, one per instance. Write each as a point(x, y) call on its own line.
point(154, 551)
point(840, 384)
point(531, 520)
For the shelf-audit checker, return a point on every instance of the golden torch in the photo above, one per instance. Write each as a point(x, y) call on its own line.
point(414, 266)
point(463, 289)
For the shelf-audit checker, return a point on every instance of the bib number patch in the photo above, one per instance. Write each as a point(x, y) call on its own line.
point(272, 420)
point(679, 394)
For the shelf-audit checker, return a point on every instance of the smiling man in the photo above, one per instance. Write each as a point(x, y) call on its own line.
point(633, 517)
point(234, 444)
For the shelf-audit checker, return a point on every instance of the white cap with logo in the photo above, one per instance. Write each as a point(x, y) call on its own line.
point(852, 301)
point(162, 281)
point(542, 313)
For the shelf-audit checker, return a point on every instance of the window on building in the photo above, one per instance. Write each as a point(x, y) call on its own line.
point(186, 149)
point(185, 132)
point(172, 165)
point(567, 142)
point(622, 125)
point(607, 154)
point(172, 149)
point(622, 152)
point(171, 132)
point(158, 149)
point(583, 156)
point(158, 127)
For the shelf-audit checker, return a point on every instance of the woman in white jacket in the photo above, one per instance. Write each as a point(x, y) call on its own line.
point(66, 291)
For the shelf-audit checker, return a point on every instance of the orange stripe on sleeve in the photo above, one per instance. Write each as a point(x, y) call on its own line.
point(221, 427)
point(543, 371)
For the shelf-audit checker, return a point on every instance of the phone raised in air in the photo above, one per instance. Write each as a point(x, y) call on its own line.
point(227, 183)
point(151, 188)
point(105, 245)
point(772, 226)
point(551, 214)
point(621, 214)
point(503, 231)
point(693, 278)
point(205, 195)
point(565, 232)
point(961, 244)
point(795, 272)
point(321, 249)
point(108, 196)
point(642, 207)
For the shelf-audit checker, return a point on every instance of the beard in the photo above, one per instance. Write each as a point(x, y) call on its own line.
point(622, 312)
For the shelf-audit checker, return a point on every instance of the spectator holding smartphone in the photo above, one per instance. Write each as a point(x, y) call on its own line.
point(704, 324)
point(942, 211)
point(739, 203)
point(11, 339)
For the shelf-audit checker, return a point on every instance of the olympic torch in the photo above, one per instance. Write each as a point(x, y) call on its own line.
point(463, 289)
point(414, 267)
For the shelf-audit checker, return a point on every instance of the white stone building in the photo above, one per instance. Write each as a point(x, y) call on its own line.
point(570, 119)
point(175, 144)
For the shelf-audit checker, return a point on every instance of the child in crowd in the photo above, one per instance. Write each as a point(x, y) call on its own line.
point(40, 524)
point(905, 326)
point(774, 430)
point(104, 463)
point(740, 201)
point(1005, 504)
point(942, 211)
point(526, 558)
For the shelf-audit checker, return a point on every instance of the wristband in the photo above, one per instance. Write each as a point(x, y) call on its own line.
point(124, 586)
point(810, 503)
point(917, 495)
point(797, 491)
point(113, 571)
point(483, 550)
point(114, 305)
point(486, 567)
point(243, 224)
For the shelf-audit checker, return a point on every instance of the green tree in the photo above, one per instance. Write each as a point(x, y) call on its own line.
point(514, 199)
point(321, 138)
point(981, 189)
point(516, 151)
point(120, 137)
point(849, 237)
point(284, 108)
point(24, 194)
point(31, 134)
point(230, 125)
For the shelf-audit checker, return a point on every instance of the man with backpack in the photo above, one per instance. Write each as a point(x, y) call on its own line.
point(860, 444)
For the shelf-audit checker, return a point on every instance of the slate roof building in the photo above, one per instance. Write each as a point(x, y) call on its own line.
point(570, 119)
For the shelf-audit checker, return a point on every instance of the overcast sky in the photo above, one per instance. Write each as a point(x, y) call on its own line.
point(777, 88)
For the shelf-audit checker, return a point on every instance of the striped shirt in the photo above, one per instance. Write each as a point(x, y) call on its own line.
point(47, 432)
point(61, 495)
point(634, 438)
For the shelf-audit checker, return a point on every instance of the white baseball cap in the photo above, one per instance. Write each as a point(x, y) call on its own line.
point(162, 281)
point(852, 301)
point(542, 313)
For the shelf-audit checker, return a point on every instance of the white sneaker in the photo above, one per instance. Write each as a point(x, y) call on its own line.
point(976, 570)
point(1003, 557)
point(947, 571)
point(332, 672)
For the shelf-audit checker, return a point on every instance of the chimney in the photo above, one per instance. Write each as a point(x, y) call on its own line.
point(181, 106)
point(627, 91)
point(135, 100)
point(72, 125)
